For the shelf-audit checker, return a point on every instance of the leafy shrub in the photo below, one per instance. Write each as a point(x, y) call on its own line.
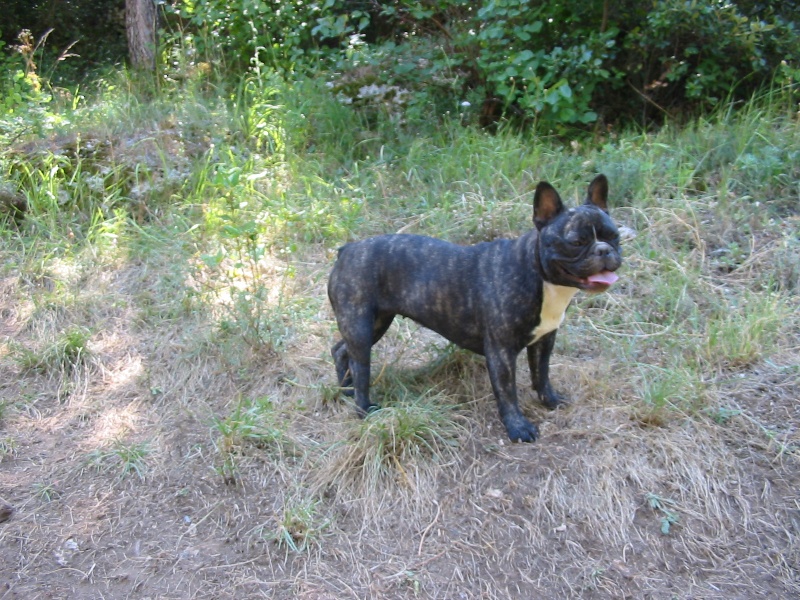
point(555, 65)
point(527, 64)
point(699, 53)
point(22, 94)
point(278, 34)
point(567, 63)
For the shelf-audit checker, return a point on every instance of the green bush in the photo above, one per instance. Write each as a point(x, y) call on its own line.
point(278, 34)
point(549, 77)
point(696, 54)
point(567, 63)
point(553, 65)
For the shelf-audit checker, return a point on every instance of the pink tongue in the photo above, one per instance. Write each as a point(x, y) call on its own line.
point(606, 277)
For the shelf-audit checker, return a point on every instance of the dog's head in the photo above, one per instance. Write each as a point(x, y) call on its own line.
point(578, 247)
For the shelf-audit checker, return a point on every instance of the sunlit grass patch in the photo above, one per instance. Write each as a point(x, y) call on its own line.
point(68, 351)
point(747, 331)
point(250, 296)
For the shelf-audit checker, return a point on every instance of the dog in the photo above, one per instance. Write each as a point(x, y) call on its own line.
point(494, 298)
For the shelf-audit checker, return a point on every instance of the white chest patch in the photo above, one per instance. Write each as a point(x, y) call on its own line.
point(554, 304)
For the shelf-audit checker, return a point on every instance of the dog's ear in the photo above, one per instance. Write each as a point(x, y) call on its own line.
point(598, 193)
point(546, 204)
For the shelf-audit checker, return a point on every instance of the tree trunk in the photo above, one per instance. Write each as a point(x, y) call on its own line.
point(140, 24)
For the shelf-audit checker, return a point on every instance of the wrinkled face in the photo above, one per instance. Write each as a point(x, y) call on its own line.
point(580, 248)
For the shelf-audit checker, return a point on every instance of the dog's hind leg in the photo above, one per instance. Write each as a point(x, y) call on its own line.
point(359, 333)
point(341, 357)
point(341, 360)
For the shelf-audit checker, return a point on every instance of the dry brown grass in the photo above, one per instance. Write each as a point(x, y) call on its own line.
point(456, 513)
point(187, 456)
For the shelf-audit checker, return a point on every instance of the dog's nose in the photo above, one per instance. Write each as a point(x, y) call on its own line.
point(602, 249)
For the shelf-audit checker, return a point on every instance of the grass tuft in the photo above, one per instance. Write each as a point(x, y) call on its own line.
point(253, 425)
point(8, 447)
point(388, 447)
point(69, 351)
point(747, 332)
point(123, 458)
point(299, 526)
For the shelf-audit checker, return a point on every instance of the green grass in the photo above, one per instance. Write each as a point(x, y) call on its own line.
point(253, 424)
point(68, 351)
point(178, 282)
point(669, 393)
point(747, 331)
point(299, 526)
point(252, 187)
point(123, 458)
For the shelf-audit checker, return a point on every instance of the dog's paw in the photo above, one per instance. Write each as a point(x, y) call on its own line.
point(522, 430)
point(371, 408)
point(552, 400)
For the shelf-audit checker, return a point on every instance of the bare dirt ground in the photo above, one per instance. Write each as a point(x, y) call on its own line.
point(116, 469)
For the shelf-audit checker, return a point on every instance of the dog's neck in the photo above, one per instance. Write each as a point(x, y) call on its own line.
point(555, 299)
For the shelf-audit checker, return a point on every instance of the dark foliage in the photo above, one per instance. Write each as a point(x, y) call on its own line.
point(567, 63)
point(94, 29)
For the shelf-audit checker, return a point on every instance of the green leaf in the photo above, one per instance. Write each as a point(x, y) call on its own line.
point(212, 261)
point(524, 56)
point(534, 27)
point(665, 525)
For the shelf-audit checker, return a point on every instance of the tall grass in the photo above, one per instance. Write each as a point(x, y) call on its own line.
point(287, 168)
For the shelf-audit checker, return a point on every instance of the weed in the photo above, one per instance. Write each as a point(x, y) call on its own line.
point(252, 423)
point(666, 510)
point(721, 415)
point(249, 306)
point(126, 459)
point(8, 447)
point(299, 526)
point(45, 492)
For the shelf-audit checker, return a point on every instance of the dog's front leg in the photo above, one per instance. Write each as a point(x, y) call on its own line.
point(539, 363)
point(501, 364)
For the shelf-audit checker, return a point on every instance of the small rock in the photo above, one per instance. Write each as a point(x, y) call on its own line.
point(6, 511)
